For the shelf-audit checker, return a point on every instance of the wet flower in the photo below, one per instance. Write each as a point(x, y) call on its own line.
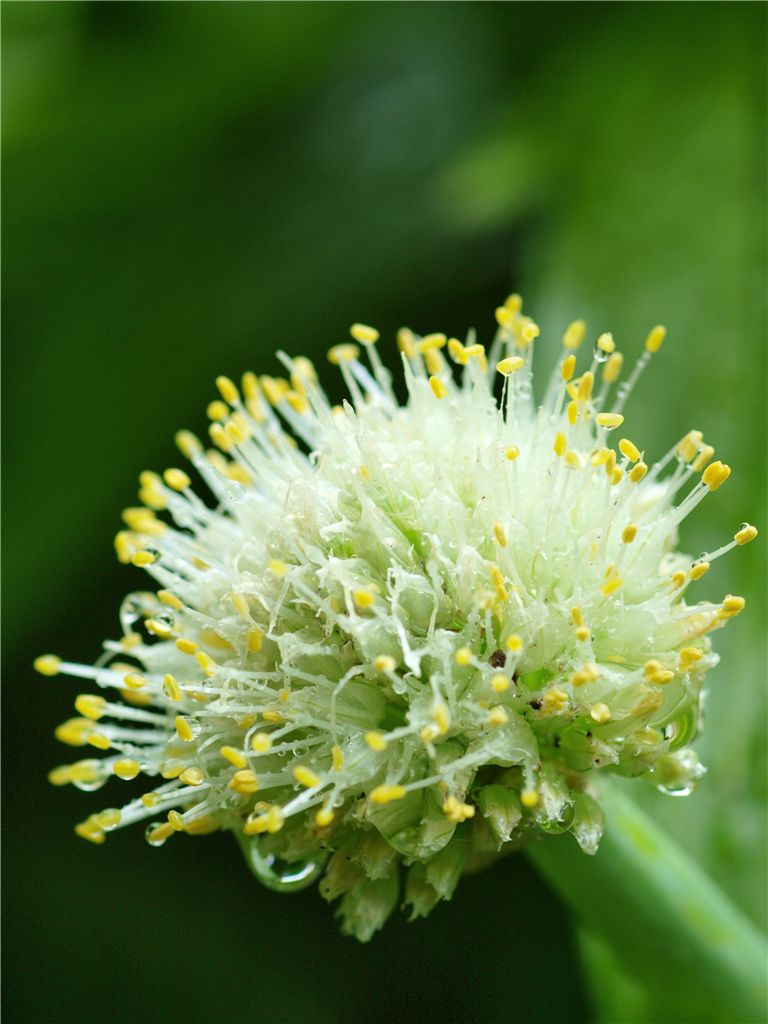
point(393, 641)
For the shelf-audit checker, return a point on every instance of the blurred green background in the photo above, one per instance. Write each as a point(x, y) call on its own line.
point(189, 186)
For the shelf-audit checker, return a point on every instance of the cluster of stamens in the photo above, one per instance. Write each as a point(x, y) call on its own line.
point(402, 636)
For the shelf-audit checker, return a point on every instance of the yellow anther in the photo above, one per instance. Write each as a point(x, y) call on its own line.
point(254, 639)
point(337, 758)
point(511, 453)
point(500, 534)
point(569, 365)
point(386, 794)
point(662, 677)
point(606, 343)
point(439, 390)
point(476, 352)
point(227, 390)
point(235, 757)
point(434, 361)
point(689, 656)
point(47, 665)
point(611, 586)
point(220, 438)
point(170, 599)
point(341, 354)
point(126, 768)
point(572, 412)
point(505, 317)
point(276, 388)
point(406, 342)
point(529, 798)
point(651, 667)
point(510, 365)
point(90, 830)
point(376, 741)
point(135, 680)
point(618, 475)
point(432, 342)
point(601, 456)
point(574, 334)
point(364, 334)
point(158, 628)
point(554, 702)
point(206, 663)
point(298, 402)
point(429, 733)
point(177, 479)
point(99, 740)
point(610, 463)
point(514, 643)
point(698, 570)
point(186, 646)
point(745, 534)
point(463, 656)
point(654, 340)
point(324, 817)
point(600, 713)
point(74, 732)
point(500, 683)
point(192, 777)
point(235, 432)
point(143, 558)
point(577, 616)
point(89, 705)
point(250, 382)
point(497, 716)
point(560, 444)
point(513, 303)
point(573, 460)
point(364, 598)
point(86, 771)
point(305, 776)
point(637, 472)
point(456, 810)
point(629, 450)
point(150, 799)
point(176, 821)
point(629, 533)
point(688, 446)
point(60, 776)
point(124, 546)
point(276, 567)
point(217, 410)
point(184, 729)
point(456, 351)
point(701, 460)
point(384, 663)
point(609, 420)
point(244, 782)
point(276, 717)
point(586, 381)
point(732, 605)
point(612, 368)
point(441, 716)
point(715, 475)
point(261, 743)
point(188, 444)
point(241, 606)
point(588, 673)
point(583, 633)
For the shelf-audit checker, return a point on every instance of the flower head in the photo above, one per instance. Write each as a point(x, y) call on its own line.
point(397, 639)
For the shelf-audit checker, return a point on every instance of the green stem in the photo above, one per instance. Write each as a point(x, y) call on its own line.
point(669, 925)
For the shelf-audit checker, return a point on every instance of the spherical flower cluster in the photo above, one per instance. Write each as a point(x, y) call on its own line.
point(397, 639)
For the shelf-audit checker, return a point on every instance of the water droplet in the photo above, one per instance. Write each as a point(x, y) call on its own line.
point(744, 526)
point(278, 874)
point(600, 355)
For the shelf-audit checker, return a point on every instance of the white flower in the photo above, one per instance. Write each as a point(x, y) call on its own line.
point(401, 636)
